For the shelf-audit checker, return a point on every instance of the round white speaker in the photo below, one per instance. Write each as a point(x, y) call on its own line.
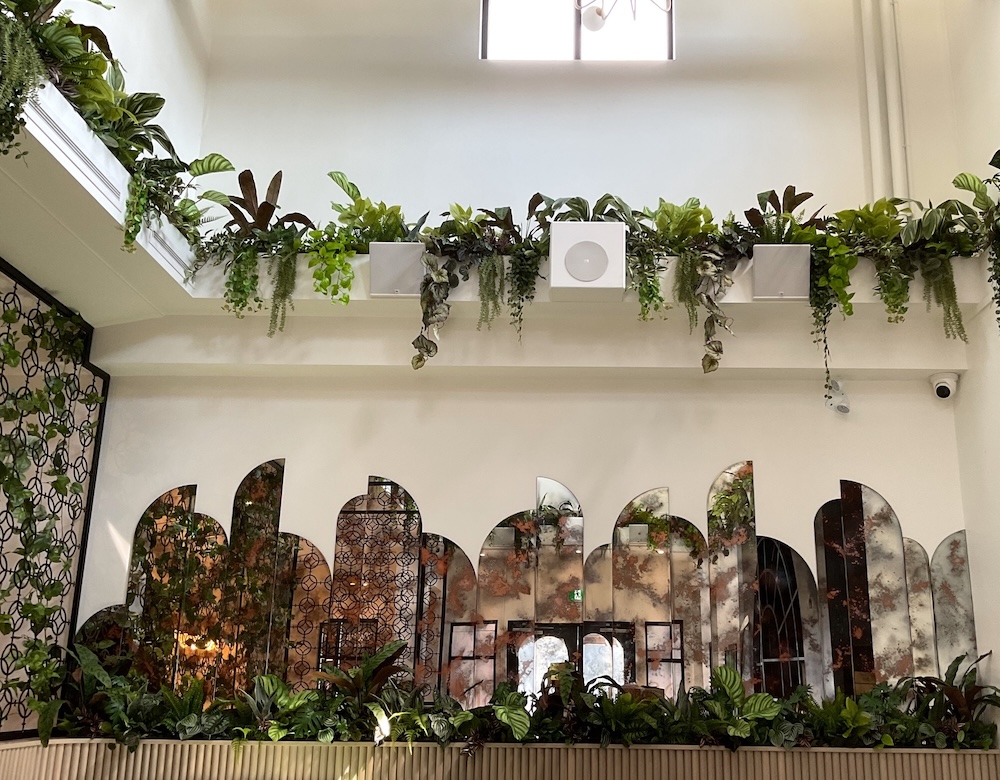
point(586, 261)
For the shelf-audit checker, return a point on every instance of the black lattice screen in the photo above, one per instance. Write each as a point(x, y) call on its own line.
point(50, 428)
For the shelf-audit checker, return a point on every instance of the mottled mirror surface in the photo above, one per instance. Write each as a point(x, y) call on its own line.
point(888, 603)
point(921, 604)
point(951, 583)
point(732, 554)
point(507, 574)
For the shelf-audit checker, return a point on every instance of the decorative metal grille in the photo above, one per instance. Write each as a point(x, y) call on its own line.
point(376, 563)
point(50, 428)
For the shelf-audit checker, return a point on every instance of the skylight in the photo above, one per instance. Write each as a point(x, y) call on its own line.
point(553, 30)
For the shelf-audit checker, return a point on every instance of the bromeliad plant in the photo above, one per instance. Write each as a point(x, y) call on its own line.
point(254, 234)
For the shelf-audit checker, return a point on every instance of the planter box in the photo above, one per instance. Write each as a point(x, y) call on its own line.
point(781, 272)
point(587, 261)
point(173, 760)
point(396, 269)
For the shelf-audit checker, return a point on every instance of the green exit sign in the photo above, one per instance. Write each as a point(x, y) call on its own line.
point(576, 595)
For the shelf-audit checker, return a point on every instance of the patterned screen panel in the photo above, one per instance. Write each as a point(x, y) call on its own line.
point(51, 412)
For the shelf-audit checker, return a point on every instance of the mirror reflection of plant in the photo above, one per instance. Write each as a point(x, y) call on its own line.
point(731, 515)
point(253, 234)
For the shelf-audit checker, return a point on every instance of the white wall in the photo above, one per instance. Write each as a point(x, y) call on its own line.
point(161, 48)
point(469, 449)
point(978, 428)
point(761, 95)
point(973, 28)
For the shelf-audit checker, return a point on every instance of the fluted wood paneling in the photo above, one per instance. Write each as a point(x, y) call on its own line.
point(168, 760)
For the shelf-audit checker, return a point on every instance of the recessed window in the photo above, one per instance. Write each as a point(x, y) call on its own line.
point(629, 30)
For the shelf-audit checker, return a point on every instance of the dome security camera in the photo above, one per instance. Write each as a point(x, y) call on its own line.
point(945, 385)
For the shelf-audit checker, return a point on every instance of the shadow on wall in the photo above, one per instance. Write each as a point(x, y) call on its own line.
point(658, 606)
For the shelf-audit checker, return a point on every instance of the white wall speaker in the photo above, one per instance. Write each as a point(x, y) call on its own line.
point(587, 261)
point(781, 272)
point(396, 268)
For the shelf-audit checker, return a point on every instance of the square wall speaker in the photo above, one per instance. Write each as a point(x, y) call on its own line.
point(781, 272)
point(397, 268)
point(587, 261)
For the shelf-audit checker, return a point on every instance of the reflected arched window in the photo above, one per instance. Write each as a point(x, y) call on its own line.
point(535, 656)
point(602, 658)
point(778, 647)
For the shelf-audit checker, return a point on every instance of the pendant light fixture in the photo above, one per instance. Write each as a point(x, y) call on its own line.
point(596, 12)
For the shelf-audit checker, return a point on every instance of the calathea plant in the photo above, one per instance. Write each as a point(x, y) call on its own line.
point(932, 236)
point(158, 189)
point(251, 235)
point(23, 24)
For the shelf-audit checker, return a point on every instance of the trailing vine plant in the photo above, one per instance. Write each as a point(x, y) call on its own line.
point(253, 235)
point(989, 214)
point(21, 73)
point(932, 236)
point(157, 189)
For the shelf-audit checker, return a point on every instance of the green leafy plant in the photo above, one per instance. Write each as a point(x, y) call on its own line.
point(873, 231)
point(989, 214)
point(832, 261)
point(736, 718)
point(776, 221)
point(362, 685)
point(454, 249)
point(704, 266)
point(21, 73)
point(253, 234)
point(157, 189)
point(932, 236)
point(190, 716)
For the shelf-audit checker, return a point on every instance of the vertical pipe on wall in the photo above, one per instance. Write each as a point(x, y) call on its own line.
point(880, 173)
point(898, 152)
